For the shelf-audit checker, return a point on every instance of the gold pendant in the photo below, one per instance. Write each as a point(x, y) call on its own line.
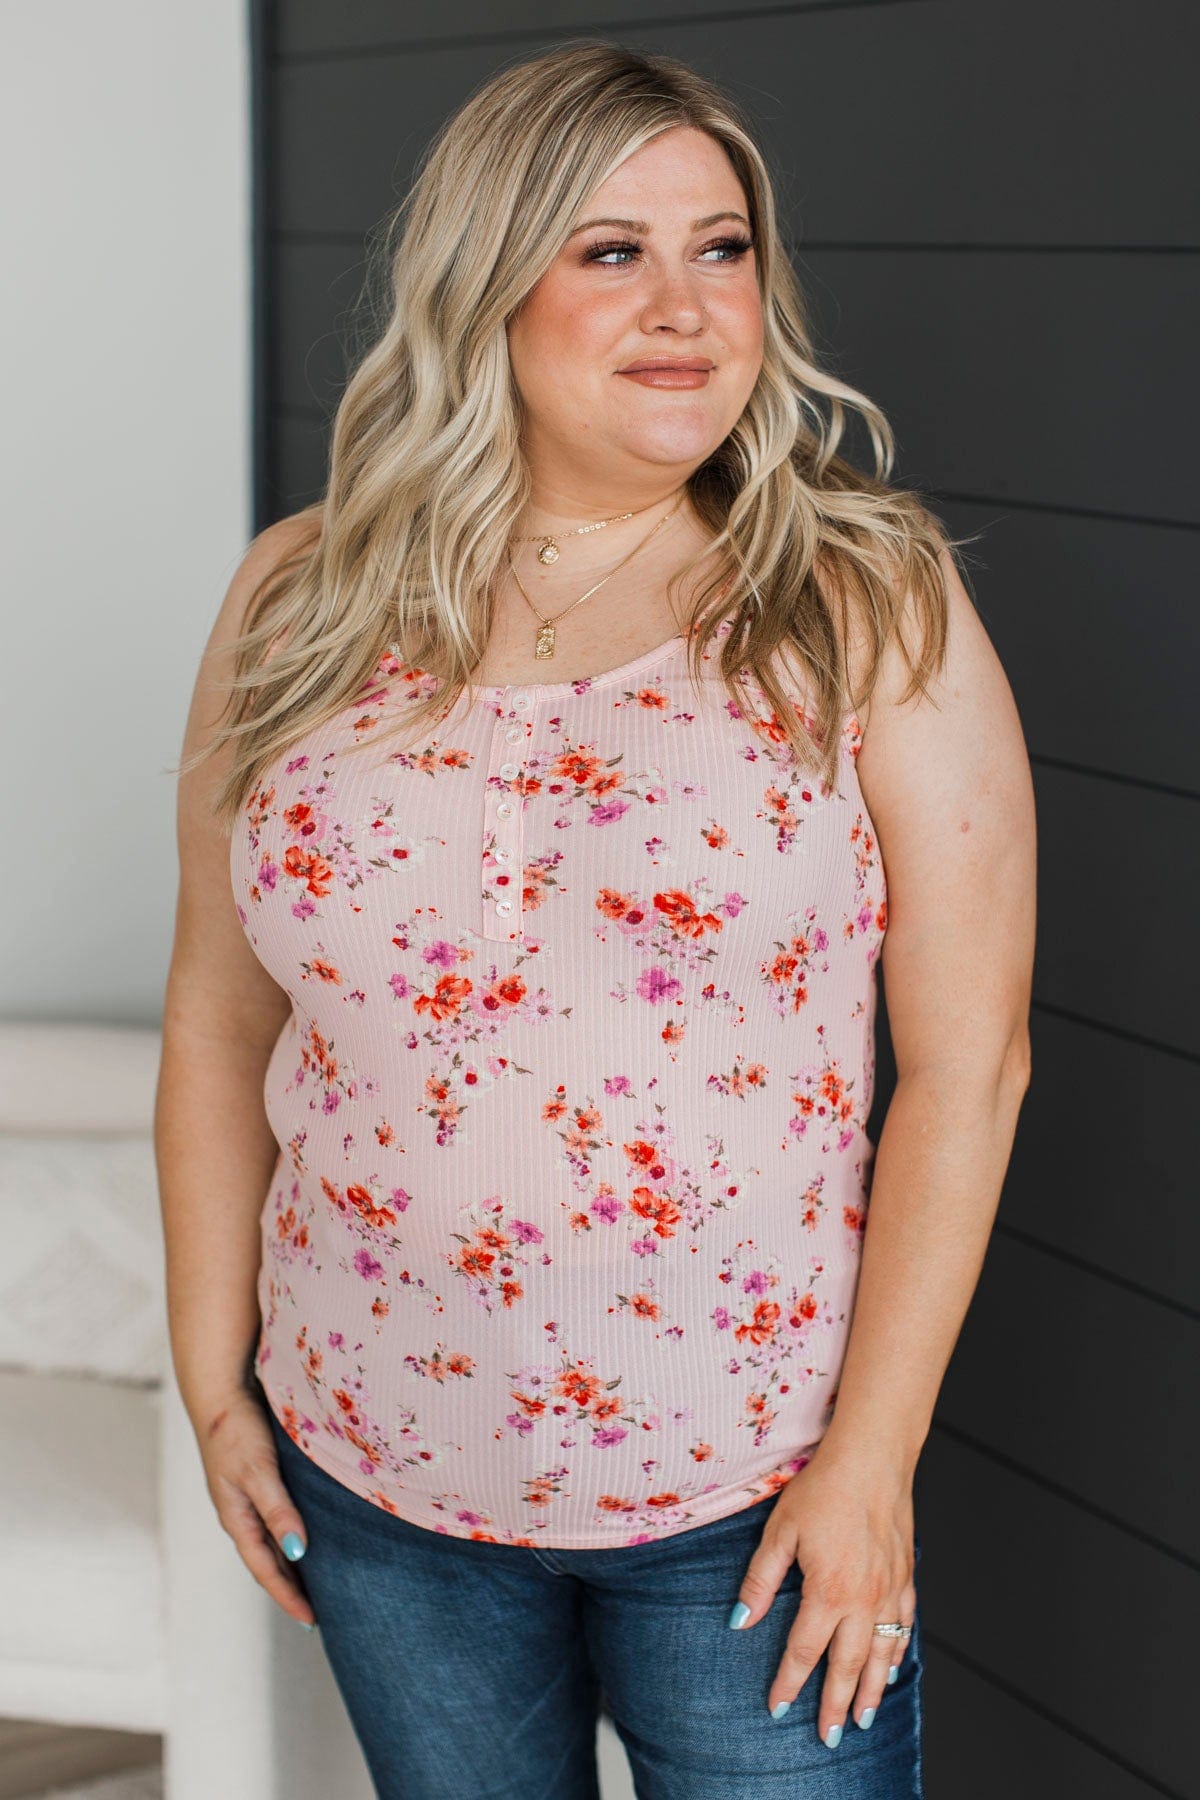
point(545, 641)
point(547, 551)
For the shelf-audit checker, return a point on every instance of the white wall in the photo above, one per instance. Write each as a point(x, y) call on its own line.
point(124, 472)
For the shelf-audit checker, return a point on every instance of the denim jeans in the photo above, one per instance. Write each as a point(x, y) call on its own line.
point(475, 1671)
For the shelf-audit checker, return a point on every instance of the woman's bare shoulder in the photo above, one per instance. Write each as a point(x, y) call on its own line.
point(267, 554)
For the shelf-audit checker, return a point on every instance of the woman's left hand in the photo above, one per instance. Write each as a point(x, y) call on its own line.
point(848, 1522)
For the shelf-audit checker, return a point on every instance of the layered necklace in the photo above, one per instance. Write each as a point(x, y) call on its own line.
point(548, 552)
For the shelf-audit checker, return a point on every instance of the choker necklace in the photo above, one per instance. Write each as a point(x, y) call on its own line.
point(547, 541)
point(544, 645)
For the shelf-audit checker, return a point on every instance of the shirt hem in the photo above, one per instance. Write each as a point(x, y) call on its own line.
point(536, 1541)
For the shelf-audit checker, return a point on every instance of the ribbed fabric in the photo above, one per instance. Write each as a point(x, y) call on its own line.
point(562, 1243)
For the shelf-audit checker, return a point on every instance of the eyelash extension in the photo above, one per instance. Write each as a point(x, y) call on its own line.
point(739, 244)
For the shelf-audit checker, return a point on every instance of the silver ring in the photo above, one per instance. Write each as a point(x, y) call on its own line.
point(896, 1630)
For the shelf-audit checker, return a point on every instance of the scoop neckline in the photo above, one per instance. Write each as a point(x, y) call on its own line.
point(583, 683)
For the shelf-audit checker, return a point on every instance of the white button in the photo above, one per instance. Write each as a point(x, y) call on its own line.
point(513, 733)
point(520, 699)
point(503, 810)
point(509, 771)
point(504, 906)
point(502, 855)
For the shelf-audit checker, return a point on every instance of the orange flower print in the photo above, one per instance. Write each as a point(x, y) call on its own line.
point(771, 1333)
point(797, 959)
point(447, 998)
point(679, 910)
point(740, 1081)
point(824, 1103)
point(490, 1259)
point(310, 867)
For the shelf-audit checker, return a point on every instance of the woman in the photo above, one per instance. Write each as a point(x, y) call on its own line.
point(570, 734)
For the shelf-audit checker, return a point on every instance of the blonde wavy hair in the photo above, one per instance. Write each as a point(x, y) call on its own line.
point(427, 478)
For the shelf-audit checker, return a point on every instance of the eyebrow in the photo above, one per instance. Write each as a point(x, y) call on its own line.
point(642, 226)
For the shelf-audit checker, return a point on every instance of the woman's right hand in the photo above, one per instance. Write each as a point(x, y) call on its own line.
point(241, 1466)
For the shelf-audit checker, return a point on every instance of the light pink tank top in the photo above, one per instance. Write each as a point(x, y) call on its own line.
point(562, 1243)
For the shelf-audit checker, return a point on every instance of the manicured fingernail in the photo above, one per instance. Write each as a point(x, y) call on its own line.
point(779, 1708)
point(833, 1736)
point(739, 1615)
point(292, 1546)
point(893, 1672)
point(868, 1718)
point(305, 1626)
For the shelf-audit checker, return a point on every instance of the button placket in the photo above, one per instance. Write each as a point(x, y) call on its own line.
point(500, 854)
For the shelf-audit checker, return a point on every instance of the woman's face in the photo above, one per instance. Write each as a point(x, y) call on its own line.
point(664, 276)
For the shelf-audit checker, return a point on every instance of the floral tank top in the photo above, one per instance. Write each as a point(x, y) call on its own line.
point(562, 1241)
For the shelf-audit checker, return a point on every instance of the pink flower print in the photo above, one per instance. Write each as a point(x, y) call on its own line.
point(618, 1084)
point(655, 985)
point(367, 1266)
point(441, 954)
point(608, 813)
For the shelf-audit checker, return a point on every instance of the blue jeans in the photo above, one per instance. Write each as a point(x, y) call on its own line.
point(478, 1669)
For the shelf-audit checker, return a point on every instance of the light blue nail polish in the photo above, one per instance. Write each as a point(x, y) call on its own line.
point(868, 1719)
point(305, 1626)
point(893, 1672)
point(292, 1546)
point(739, 1615)
point(833, 1736)
point(779, 1708)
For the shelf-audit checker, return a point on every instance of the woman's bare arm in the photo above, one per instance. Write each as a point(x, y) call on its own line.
point(947, 782)
point(222, 1014)
point(949, 790)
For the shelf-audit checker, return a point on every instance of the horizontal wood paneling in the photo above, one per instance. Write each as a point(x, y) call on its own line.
point(298, 469)
point(313, 346)
point(310, 27)
point(1081, 612)
point(1086, 1621)
point(928, 122)
point(1105, 1159)
point(1024, 377)
point(981, 1744)
point(1083, 1383)
point(1119, 871)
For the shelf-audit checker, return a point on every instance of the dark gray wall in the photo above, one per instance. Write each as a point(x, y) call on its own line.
point(994, 209)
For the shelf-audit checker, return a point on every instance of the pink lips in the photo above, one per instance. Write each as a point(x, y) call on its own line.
point(670, 372)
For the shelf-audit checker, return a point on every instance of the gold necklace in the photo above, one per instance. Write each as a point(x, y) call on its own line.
point(547, 542)
point(544, 645)
point(548, 550)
